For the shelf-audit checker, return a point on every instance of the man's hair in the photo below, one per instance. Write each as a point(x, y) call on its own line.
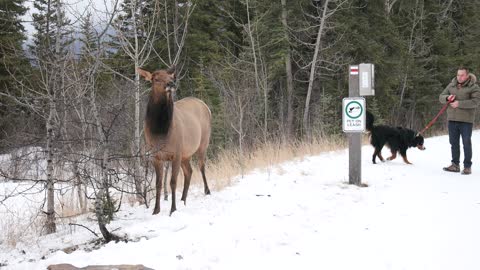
point(464, 68)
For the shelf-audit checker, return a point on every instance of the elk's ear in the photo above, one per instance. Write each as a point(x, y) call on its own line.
point(145, 74)
point(171, 70)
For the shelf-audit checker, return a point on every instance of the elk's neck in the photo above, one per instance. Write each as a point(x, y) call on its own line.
point(159, 113)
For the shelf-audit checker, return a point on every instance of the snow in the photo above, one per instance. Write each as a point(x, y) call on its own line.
point(299, 214)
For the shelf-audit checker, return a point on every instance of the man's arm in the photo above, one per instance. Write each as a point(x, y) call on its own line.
point(444, 95)
point(474, 100)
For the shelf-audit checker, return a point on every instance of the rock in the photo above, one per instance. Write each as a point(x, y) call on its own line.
point(65, 266)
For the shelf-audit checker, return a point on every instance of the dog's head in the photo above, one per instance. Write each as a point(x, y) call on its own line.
point(418, 141)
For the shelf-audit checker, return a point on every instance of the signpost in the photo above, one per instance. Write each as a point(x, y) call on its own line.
point(353, 114)
point(361, 82)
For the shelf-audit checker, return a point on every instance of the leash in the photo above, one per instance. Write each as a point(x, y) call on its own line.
point(436, 117)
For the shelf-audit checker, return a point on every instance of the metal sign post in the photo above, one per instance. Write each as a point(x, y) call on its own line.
point(361, 78)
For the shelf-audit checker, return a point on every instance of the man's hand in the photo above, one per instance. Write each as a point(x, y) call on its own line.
point(451, 98)
point(454, 104)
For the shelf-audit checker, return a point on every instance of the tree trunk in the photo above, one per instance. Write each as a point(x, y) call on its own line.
point(80, 192)
point(313, 65)
point(136, 147)
point(265, 120)
point(102, 184)
point(136, 142)
point(254, 51)
point(240, 128)
point(50, 222)
point(83, 196)
point(52, 84)
point(388, 5)
point(447, 8)
point(100, 198)
point(176, 30)
point(411, 46)
point(258, 84)
point(288, 70)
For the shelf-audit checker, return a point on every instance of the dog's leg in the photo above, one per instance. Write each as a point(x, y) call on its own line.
point(403, 153)
point(380, 156)
point(393, 156)
point(374, 156)
point(378, 152)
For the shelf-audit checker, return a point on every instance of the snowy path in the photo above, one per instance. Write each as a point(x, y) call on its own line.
point(302, 215)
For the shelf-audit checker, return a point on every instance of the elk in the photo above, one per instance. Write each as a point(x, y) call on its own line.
point(174, 131)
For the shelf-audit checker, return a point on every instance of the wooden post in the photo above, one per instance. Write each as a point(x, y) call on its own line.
point(354, 139)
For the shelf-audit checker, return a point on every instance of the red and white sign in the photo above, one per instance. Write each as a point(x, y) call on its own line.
point(353, 70)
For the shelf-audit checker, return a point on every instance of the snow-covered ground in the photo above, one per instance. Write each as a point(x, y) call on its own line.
point(299, 215)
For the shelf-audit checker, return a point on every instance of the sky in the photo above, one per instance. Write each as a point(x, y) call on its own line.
point(301, 214)
point(75, 9)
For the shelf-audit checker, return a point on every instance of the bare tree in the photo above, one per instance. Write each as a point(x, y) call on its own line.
point(237, 90)
point(388, 5)
point(255, 58)
point(415, 47)
point(259, 65)
point(288, 71)
point(325, 12)
point(102, 186)
point(136, 33)
point(43, 94)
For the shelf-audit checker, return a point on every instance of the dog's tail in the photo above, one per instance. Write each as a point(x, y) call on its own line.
point(369, 122)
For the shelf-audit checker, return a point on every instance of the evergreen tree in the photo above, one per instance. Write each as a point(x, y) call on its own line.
point(12, 58)
point(212, 37)
point(11, 38)
point(52, 32)
point(88, 37)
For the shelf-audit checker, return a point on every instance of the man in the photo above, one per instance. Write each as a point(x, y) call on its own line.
point(464, 96)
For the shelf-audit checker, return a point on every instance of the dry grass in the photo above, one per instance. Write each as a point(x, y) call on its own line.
point(230, 163)
point(20, 228)
point(11, 233)
point(68, 206)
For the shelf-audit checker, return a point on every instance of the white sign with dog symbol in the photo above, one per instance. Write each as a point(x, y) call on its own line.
point(353, 114)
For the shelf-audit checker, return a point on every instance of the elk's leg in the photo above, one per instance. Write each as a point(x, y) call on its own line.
point(165, 177)
point(201, 163)
point(173, 183)
point(187, 173)
point(158, 164)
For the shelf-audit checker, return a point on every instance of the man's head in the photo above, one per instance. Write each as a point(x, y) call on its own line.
point(462, 74)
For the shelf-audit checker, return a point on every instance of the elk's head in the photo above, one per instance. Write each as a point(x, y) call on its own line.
point(163, 81)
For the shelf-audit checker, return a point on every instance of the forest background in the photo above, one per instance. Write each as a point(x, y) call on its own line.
point(272, 72)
